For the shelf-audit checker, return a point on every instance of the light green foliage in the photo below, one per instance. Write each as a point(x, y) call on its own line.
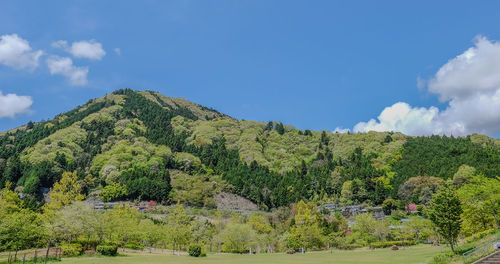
point(125, 154)
point(175, 102)
point(74, 220)
point(370, 230)
point(238, 238)
point(103, 116)
point(65, 191)
point(120, 225)
point(71, 249)
point(463, 175)
point(480, 198)
point(260, 224)
point(113, 191)
point(197, 190)
point(65, 141)
point(127, 129)
point(418, 228)
point(187, 161)
point(285, 152)
point(343, 145)
point(306, 233)
point(115, 98)
point(179, 227)
point(20, 228)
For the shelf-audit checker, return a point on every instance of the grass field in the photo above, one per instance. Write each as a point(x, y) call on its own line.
point(416, 254)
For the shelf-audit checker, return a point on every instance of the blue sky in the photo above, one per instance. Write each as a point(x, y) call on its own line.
point(314, 64)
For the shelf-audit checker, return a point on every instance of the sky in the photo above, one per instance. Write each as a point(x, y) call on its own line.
point(419, 67)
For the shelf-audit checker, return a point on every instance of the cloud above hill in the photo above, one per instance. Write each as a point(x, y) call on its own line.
point(468, 83)
point(17, 53)
point(87, 49)
point(12, 104)
point(64, 66)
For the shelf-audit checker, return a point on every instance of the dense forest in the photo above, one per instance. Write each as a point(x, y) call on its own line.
point(142, 145)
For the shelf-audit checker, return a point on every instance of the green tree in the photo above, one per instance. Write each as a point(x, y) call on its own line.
point(179, 227)
point(306, 233)
point(238, 238)
point(64, 192)
point(280, 128)
point(388, 205)
point(480, 197)
point(444, 211)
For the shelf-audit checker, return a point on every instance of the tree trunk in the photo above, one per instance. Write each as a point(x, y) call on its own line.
point(496, 220)
point(47, 253)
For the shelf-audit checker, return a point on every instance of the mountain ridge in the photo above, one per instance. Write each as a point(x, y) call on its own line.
point(170, 149)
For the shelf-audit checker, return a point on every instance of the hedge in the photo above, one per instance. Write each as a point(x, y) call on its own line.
point(71, 250)
point(385, 244)
point(107, 250)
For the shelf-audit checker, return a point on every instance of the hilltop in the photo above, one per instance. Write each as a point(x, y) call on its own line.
point(144, 145)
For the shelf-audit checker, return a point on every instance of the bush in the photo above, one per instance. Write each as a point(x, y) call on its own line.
point(86, 244)
point(479, 235)
point(71, 250)
point(386, 244)
point(194, 251)
point(107, 250)
point(442, 258)
point(464, 248)
point(135, 245)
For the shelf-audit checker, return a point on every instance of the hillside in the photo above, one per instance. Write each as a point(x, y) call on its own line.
point(144, 145)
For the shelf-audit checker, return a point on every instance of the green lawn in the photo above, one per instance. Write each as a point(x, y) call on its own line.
point(416, 254)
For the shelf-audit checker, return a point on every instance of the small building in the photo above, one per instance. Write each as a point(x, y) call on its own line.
point(411, 208)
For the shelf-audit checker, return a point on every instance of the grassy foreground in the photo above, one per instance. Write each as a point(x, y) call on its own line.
point(416, 254)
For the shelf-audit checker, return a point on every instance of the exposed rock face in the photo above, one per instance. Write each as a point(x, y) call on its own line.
point(229, 201)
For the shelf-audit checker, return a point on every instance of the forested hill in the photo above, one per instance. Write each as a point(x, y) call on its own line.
point(144, 145)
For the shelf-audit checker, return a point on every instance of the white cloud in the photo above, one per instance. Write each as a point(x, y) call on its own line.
point(64, 66)
point(60, 44)
point(341, 130)
point(470, 83)
point(12, 104)
point(87, 49)
point(17, 53)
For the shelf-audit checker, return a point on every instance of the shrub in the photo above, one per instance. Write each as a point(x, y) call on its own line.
point(86, 244)
point(134, 245)
point(71, 250)
point(113, 192)
point(194, 251)
point(386, 244)
point(442, 258)
point(107, 250)
point(464, 248)
point(479, 235)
